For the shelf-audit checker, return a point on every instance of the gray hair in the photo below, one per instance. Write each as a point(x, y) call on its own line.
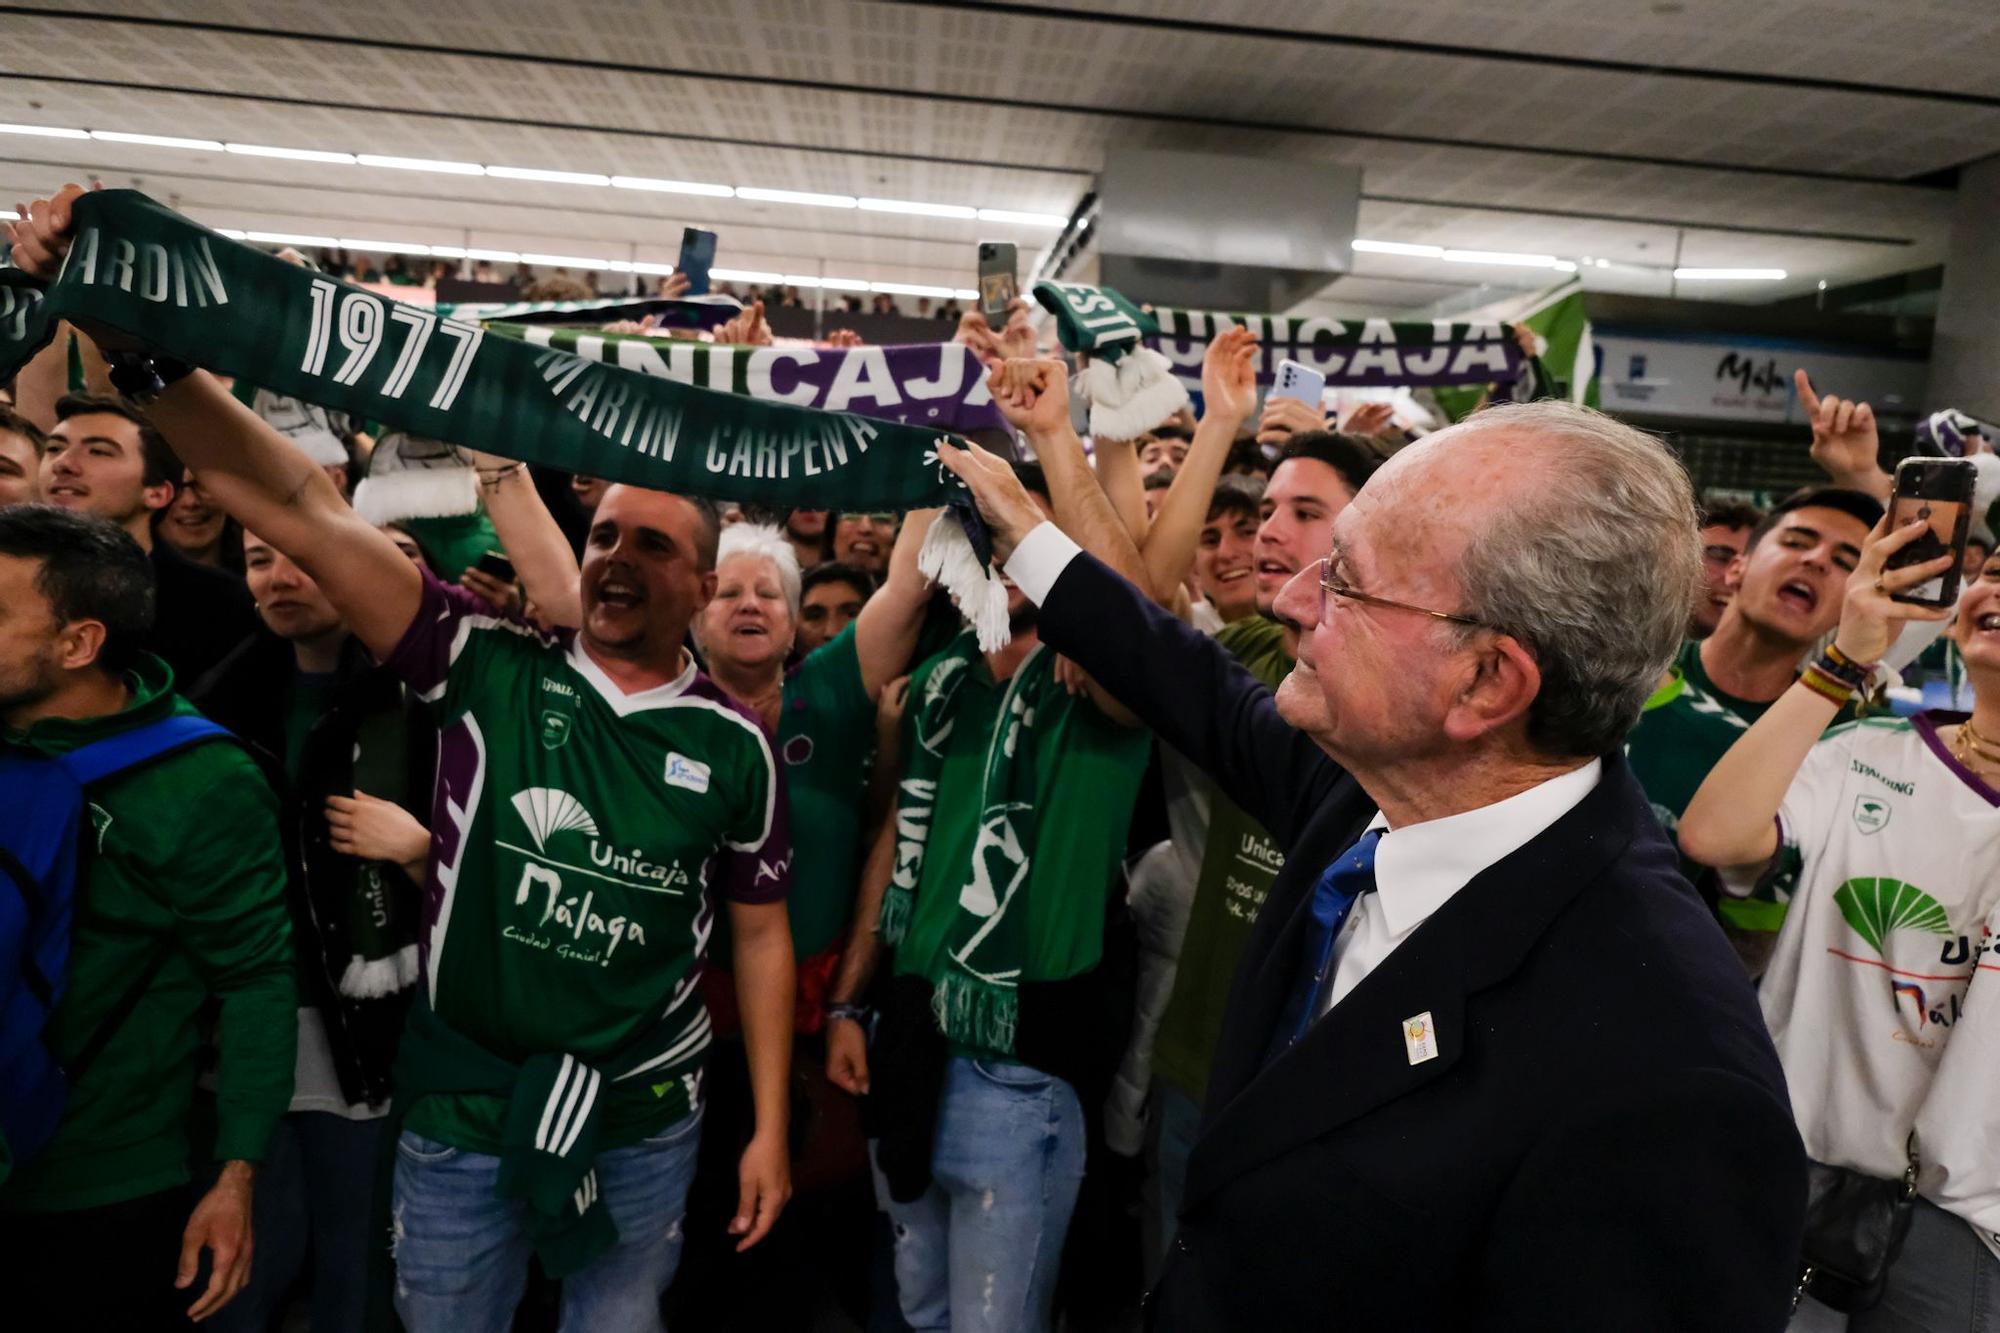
point(768, 543)
point(1595, 574)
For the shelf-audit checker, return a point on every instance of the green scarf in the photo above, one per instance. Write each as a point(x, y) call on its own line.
point(975, 989)
point(201, 298)
point(687, 312)
point(1130, 387)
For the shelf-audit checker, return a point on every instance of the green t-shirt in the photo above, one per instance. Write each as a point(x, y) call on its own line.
point(1682, 734)
point(583, 840)
point(826, 739)
point(1239, 865)
point(1087, 775)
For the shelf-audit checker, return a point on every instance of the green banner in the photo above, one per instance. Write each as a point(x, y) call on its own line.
point(199, 297)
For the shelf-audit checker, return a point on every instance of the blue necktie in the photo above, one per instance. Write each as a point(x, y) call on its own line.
point(1350, 876)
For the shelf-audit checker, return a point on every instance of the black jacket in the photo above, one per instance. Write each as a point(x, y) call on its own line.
point(200, 614)
point(372, 720)
point(1604, 1140)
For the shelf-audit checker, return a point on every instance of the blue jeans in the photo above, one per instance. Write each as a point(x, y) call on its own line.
point(978, 1252)
point(1944, 1280)
point(313, 1191)
point(1174, 1124)
point(462, 1251)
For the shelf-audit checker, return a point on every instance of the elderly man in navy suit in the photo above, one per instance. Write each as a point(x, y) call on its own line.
point(1487, 1061)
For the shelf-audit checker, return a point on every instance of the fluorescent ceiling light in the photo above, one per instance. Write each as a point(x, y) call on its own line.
point(9, 215)
point(565, 261)
point(157, 140)
point(1732, 274)
point(844, 284)
point(290, 154)
point(917, 208)
point(421, 164)
point(233, 234)
point(45, 131)
point(658, 270)
point(543, 174)
point(495, 256)
point(744, 275)
point(671, 187)
point(1565, 265)
point(804, 280)
point(288, 238)
point(911, 289)
point(1506, 258)
point(386, 247)
point(797, 197)
point(1023, 219)
point(1399, 248)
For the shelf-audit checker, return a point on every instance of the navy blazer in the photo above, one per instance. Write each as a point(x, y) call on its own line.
point(1603, 1141)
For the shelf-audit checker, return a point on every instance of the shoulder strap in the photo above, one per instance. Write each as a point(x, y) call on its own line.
point(114, 754)
point(115, 1019)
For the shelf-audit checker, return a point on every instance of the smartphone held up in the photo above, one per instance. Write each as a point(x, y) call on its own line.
point(999, 281)
point(1938, 491)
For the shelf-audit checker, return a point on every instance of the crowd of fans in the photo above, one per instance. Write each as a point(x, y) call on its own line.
point(811, 1130)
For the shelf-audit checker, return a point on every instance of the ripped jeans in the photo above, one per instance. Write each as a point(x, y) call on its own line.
point(462, 1253)
point(978, 1252)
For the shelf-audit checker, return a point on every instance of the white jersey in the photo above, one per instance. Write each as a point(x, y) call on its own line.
point(1893, 852)
point(1958, 1130)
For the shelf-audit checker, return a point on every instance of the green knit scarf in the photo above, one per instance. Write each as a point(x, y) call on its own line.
point(976, 976)
point(194, 295)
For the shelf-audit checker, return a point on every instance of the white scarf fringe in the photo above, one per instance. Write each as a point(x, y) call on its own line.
point(373, 978)
point(1132, 396)
point(947, 559)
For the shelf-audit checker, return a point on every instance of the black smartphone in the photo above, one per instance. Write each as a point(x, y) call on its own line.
point(1939, 491)
point(999, 282)
point(497, 565)
point(697, 255)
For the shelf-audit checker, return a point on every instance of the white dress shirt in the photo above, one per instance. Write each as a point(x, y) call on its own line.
point(1417, 867)
point(1420, 866)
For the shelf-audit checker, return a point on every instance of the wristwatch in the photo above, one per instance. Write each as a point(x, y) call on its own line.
point(853, 1013)
point(140, 377)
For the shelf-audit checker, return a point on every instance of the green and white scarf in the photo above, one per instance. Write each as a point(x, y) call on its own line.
point(1130, 387)
point(199, 297)
point(975, 984)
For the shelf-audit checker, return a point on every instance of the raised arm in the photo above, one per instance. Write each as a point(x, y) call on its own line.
point(266, 483)
point(885, 633)
point(1034, 397)
point(1229, 393)
point(260, 478)
point(1731, 821)
point(1117, 469)
point(534, 542)
point(1845, 443)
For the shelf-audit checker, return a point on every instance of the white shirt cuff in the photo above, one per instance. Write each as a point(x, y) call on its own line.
point(1040, 559)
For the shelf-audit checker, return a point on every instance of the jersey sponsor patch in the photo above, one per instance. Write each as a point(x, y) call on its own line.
point(1871, 813)
point(685, 772)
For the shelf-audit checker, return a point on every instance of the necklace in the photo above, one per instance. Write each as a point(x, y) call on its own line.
point(1974, 750)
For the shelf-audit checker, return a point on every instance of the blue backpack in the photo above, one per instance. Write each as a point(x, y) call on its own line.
point(41, 846)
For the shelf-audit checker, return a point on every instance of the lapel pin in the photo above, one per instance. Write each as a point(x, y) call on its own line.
point(1420, 1038)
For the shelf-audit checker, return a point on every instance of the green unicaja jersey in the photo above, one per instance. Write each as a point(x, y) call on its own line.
point(583, 840)
point(1682, 734)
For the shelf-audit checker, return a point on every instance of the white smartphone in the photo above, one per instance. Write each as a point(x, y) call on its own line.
point(1299, 381)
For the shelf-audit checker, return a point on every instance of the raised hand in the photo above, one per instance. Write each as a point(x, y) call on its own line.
point(675, 286)
point(1032, 395)
point(1870, 619)
point(843, 338)
point(747, 329)
point(1017, 340)
point(1844, 442)
point(976, 333)
point(1229, 376)
point(1286, 417)
point(1369, 419)
point(41, 238)
point(1010, 512)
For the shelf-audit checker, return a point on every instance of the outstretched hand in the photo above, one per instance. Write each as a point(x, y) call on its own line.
point(1010, 512)
point(1870, 618)
point(1845, 443)
point(747, 328)
point(1229, 377)
point(1032, 395)
point(42, 237)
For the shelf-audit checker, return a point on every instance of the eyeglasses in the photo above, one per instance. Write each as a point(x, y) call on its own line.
point(1330, 584)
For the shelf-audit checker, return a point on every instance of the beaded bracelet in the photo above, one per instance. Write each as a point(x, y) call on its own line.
point(1844, 668)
